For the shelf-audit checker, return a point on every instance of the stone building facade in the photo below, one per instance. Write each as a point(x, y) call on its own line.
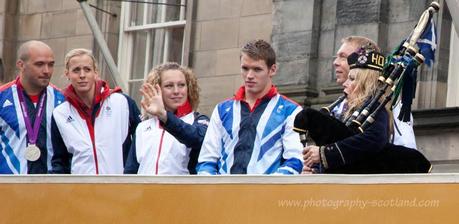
point(220, 28)
point(305, 34)
point(59, 23)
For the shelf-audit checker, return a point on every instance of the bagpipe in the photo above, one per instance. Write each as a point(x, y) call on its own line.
point(398, 75)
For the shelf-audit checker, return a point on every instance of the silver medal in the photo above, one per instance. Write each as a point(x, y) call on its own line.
point(32, 153)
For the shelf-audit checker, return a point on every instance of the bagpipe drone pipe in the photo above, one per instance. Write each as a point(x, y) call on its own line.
point(398, 75)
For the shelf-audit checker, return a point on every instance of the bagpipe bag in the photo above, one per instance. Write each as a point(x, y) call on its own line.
point(324, 129)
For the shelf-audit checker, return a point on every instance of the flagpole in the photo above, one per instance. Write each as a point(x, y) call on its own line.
point(422, 24)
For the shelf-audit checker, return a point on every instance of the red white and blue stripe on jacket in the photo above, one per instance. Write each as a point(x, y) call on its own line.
point(258, 140)
point(13, 134)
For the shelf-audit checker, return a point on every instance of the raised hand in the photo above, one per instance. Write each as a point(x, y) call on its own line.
point(152, 101)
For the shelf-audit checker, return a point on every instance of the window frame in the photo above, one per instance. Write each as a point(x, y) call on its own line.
point(127, 34)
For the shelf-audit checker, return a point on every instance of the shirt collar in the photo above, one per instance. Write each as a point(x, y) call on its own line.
point(240, 93)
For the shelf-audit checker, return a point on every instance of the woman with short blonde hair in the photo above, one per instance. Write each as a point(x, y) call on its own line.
point(93, 129)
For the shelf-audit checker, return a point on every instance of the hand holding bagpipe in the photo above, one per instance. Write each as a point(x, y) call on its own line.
point(311, 155)
point(325, 129)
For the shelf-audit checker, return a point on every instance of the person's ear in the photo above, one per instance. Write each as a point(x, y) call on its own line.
point(66, 74)
point(20, 65)
point(272, 70)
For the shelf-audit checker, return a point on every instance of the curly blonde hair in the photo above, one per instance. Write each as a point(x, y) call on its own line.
point(154, 77)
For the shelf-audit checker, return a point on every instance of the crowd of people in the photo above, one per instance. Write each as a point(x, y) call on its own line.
point(90, 128)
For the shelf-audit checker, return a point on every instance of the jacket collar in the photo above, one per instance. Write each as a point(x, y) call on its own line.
point(240, 94)
point(102, 92)
point(184, 109)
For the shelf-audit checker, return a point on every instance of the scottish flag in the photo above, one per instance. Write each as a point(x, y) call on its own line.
point(427, 43)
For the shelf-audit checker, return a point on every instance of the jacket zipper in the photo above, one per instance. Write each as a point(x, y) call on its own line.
point(91, 133)
point(159, 151)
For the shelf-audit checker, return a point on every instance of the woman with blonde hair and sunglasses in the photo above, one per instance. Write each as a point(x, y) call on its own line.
point(169, 141)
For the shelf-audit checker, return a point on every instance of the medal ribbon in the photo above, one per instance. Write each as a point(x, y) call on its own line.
point(32, 132)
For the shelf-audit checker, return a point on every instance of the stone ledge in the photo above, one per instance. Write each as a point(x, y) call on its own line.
point(333, 89)
point(445, 166)
point(441, 118)
point(284, 180)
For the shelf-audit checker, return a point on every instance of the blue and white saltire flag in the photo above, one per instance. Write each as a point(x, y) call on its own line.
point(427, 43)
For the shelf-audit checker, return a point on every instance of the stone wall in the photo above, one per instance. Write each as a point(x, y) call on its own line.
point(305, 33)
point(306, 41)
point(59, 23)
point(296, 40)
point(437, 134)
point(9, 11)
point(110, 27)
point(219, 29)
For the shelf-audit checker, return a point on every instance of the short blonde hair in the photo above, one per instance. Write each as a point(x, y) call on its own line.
point(360, 41)
point(80, 52)
point(154, 77)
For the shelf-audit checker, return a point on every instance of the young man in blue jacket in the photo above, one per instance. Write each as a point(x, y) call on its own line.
point(251, 133)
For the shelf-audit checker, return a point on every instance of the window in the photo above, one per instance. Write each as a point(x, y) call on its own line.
point(152, 32)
